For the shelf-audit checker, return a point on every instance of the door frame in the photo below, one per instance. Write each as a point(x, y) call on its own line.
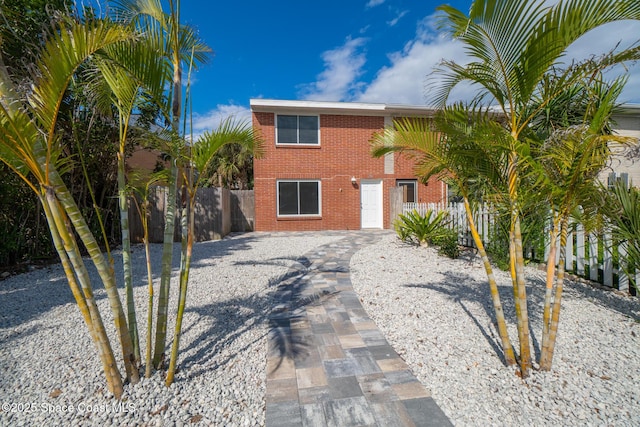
point(380, 203)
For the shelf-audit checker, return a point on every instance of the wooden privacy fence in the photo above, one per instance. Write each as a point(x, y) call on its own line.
point(218, 211)
point(594, 256)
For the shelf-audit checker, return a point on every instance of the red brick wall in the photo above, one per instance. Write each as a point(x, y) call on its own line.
point(343, 152)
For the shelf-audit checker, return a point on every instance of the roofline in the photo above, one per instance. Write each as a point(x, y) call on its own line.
point(629, 109)
point(364, 108)
point(328, 107)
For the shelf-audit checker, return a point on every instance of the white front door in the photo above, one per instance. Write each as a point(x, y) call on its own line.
point(371, 203)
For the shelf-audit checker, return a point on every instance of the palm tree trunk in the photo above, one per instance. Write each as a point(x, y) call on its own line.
point(550, 278)
point(126, 257)
point(523, 316)
point(143, 211)
point(167, 251)
point(507, 348)
point(167, 260)
point(187, 222)
point(75, 271)
point(546, 357)
point(516, 264)
point(104, 270)
point(145, 227)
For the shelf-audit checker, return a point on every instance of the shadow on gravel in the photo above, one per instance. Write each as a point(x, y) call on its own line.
point(629, 306)
point(28, 296)
point(464, 290)
point(231, 319)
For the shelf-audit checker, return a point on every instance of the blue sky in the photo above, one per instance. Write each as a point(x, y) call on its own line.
point(348, 50)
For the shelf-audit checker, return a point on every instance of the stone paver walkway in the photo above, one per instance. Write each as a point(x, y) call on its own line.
point(328, 363)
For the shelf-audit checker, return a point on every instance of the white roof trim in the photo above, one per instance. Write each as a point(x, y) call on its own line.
point(327, 107)
point(362, 108)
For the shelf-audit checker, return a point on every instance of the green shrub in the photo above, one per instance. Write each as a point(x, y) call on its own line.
point(623, 212)
point(428, 229)
point(447, 243)
point(419, 229)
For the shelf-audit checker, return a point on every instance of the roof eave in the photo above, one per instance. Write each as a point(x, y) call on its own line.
point(339, 108)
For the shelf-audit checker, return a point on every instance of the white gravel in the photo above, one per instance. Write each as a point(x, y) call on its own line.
point(437, 313)
point(45, 349)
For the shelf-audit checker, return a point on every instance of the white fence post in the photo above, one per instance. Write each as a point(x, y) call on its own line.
point(607, 262)
point(623, 279)
point(568, 255)
point(580, 258)
point(593, 257)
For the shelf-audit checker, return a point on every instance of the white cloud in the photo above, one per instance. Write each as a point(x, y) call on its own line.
point(600, 41)
point(374, 3)
point(212, 119)
point(395, 20)
point(404, 80)
point(343, 67)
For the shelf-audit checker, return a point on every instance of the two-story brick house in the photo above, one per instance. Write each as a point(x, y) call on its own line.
point(317, 172)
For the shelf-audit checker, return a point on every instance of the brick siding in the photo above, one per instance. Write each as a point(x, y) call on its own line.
point(343, 152)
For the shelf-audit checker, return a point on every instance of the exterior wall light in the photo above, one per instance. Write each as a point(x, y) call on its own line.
point(353, 180)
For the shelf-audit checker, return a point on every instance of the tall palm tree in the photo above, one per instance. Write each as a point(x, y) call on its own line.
point(453, 155)
point(230, 131)
point(137, 69)
point(568, 164)
point(179, 44)
point(30, 146)
point(513, 44)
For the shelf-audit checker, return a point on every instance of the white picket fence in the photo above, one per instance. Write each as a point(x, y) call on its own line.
point(587, 255)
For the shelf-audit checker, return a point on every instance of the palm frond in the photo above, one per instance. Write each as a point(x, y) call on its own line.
point(62, 54)
point(230, 131)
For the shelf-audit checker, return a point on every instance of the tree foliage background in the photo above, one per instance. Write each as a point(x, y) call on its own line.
point(89, 137)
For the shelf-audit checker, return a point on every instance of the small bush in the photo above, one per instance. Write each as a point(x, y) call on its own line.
point(419, 229)
point(428, 229)
point(447, 243)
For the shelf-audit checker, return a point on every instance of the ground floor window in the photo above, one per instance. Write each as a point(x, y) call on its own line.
point(298, 198)
point(409, 190)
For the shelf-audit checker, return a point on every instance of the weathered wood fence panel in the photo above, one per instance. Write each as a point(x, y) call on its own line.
point(243, 211)
point(215, 210)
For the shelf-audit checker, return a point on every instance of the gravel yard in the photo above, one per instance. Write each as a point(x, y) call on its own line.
point(50, 373)
point(436, 312)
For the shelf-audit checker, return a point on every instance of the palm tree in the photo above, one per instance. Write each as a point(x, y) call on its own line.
point(452, 157)
point(178, 44)
point(513, 44)
point(137, 69)
point(230, 131)
point(231, 167)
point(139, 186)
point(30, 146)
point(622, 209)
point(567, 167)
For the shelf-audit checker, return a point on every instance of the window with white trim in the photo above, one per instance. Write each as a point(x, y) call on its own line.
point(409, 190)
point(298, 198)
point(304, 130)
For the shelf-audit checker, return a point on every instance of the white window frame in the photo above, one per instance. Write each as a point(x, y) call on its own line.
point(319, 214)
point(399, 183)
point(298, 144)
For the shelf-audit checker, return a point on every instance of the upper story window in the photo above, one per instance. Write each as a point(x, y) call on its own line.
point(297, 130)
